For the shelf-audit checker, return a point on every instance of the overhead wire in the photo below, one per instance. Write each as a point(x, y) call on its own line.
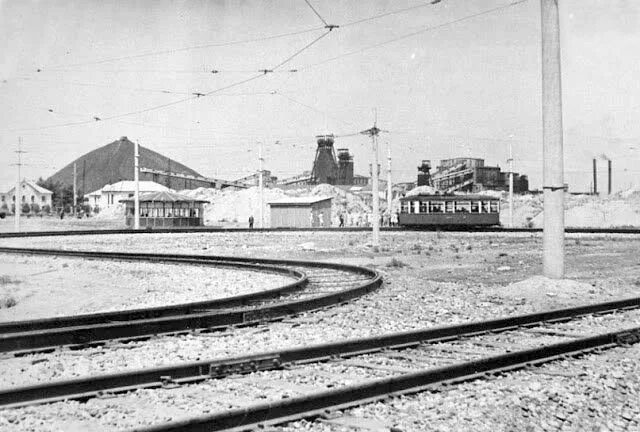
point(415, 33)
point(316, 12)
point(188, 48)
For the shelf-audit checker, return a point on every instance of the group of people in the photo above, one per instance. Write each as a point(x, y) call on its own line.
point(366, 219)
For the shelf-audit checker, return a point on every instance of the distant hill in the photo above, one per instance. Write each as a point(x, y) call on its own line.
point(112, 163)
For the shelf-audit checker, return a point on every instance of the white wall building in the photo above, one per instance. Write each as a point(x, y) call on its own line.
point(30, 193)
point(110, 195)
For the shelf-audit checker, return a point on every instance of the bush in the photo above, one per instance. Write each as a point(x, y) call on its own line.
point(4, 206)
point(26, 208)
point(35, 208)
point(46, 209)
point(96, 209)
point(395, 262)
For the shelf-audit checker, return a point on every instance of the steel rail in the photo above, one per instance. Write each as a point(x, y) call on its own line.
point(73, 335)
point(491, 229)
point(301, 279)
point(86, 388)
point(317, 404)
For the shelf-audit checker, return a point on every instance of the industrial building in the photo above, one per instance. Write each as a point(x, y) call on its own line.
point(329, 168)
point(468, 175)
point(301, 212)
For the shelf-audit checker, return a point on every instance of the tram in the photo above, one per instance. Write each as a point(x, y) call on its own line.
point(449, 210)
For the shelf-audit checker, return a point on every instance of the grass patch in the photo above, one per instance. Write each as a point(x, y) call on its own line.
point(396, 263)
point(7, 301)
point(8, 280)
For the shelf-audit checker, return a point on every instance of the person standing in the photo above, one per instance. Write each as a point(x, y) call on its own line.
point(341, 217)
point(251, 221)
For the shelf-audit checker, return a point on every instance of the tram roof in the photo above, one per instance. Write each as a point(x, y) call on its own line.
point(476, 197)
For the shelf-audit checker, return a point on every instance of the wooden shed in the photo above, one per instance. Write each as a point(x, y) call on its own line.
point(301, 212)
point(165, 210)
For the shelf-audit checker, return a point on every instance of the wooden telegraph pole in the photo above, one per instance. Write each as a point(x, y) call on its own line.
point(553, 178)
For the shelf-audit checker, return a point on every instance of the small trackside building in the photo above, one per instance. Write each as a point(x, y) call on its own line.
point(301, 212)
point(166, 210)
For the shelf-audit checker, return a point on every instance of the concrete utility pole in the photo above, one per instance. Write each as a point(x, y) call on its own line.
point(261, 185)
point(18, 194)
point(136, 180)
point(373, 133)
point(75, 189)
point(553, 172)
point(389, 188)
point(510, 184)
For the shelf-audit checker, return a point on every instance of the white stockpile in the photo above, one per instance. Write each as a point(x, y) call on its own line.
point(233, 207)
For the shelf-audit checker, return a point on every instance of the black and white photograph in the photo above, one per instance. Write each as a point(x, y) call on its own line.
point(319, 215)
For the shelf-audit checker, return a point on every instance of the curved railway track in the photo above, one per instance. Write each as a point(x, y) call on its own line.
point(382, 366)
point(317, 285)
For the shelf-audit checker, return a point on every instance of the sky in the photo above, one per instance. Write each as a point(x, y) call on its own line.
point(459, 78)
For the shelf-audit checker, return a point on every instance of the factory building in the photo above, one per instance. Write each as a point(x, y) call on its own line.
point(468, 175)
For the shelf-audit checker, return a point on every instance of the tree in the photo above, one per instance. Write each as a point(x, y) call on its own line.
point(62, 194)
point(26, 208)
point(35, 208)
point(46, 209)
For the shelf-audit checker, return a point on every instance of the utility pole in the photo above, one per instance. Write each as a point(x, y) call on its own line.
point(373, 133)
point(261, 184)
point(510, 184)
point(75, 189)
point(389, 188)
point(18, 194)
point(136, 179)
point(553, 172)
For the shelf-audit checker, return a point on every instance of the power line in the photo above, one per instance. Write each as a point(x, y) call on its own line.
point(188, 48)
point(415, 33)
point(382, 15)
point(316, 12)
point(288, 59)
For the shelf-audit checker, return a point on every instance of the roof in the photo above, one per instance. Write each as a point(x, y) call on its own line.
point(36, 187)
point(299, 200)
point(450, 198)
point(165, 196)
point(130, 186)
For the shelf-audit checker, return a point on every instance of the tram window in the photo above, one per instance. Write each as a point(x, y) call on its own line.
point(485, 207)
point(494, 206)
point(416, 206)
point(424, 206)
point(475, 207)
point(436, 207)
point(463, 206)
point(449, 207)
point(404, 207)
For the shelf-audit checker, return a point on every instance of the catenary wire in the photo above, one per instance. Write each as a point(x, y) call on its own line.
point(316, 12)
point(409, 35)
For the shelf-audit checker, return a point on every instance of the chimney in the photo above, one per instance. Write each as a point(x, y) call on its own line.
point(609, 176)
point(595, 177)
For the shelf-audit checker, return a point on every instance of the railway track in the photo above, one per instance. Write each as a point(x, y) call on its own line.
point(491, 229)
point(316, 285)
point(305, 382)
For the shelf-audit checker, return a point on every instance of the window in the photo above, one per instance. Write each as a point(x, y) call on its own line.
point(436, 207)
point(416, 206)
point(485, 207)
point(33, 198)
point(2, 198)
point(494, 206)
point(404, 207)
point(463, 206)
point(475, 206)
point(24, 198)
point(448, 207)
point(424, 206)
point(43, 198)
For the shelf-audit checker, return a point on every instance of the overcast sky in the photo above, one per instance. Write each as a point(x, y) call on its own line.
point(458, 78)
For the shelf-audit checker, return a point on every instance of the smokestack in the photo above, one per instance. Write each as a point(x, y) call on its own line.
point(595, 177)
point(609, 175)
